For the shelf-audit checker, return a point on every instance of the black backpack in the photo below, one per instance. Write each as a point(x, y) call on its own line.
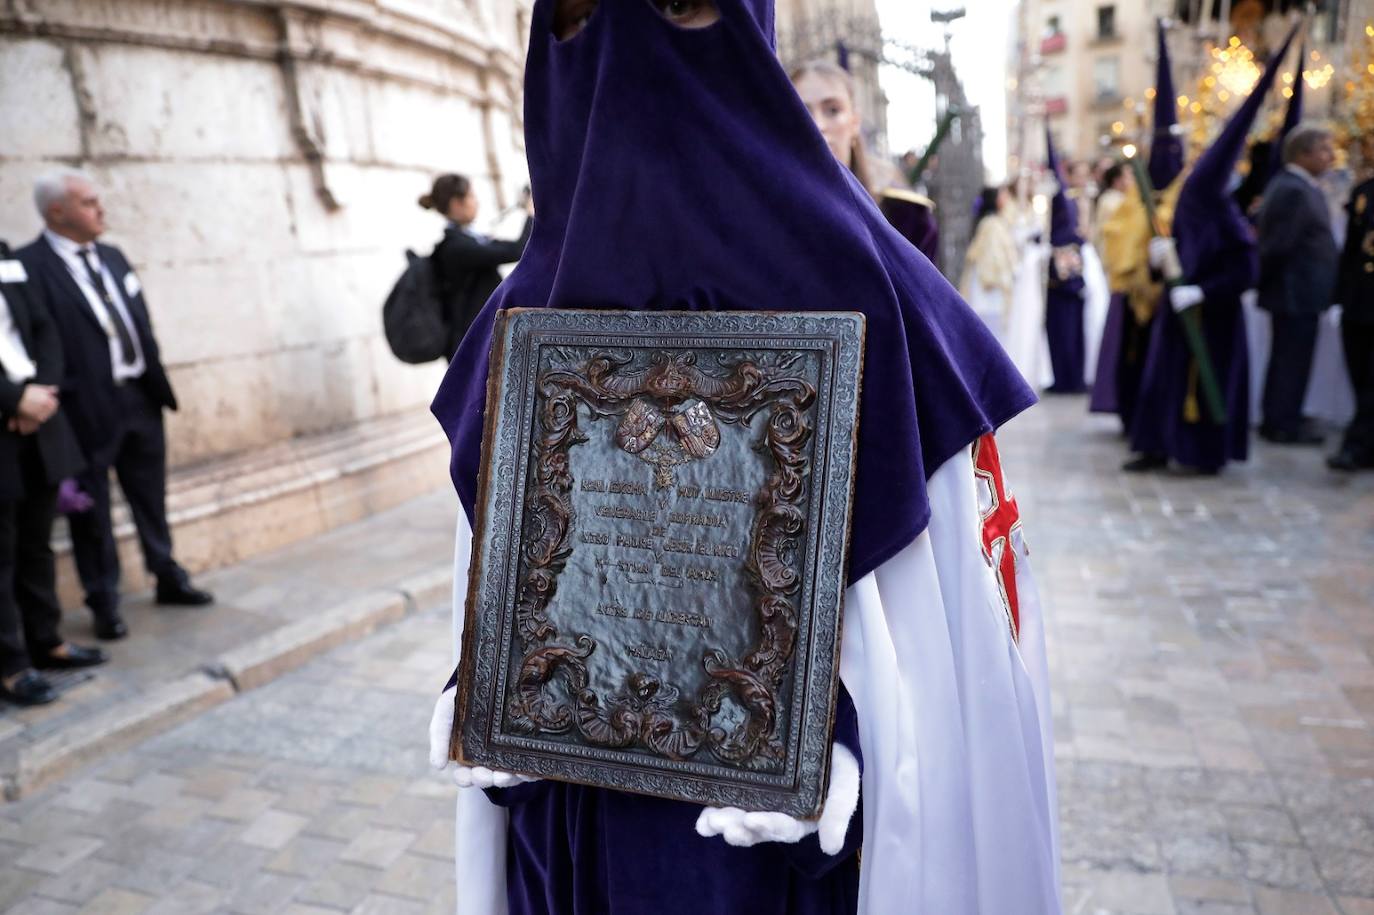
point(413, 314)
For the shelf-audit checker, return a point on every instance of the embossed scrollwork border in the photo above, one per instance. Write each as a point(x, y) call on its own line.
point(647, 715)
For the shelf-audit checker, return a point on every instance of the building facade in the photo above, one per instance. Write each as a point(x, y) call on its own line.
point(260, 164)
point(1087, 67)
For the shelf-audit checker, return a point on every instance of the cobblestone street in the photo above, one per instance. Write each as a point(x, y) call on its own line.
point(1212, 645)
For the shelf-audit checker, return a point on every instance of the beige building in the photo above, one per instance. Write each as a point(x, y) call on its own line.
point(1087, 66)
point(260, 163)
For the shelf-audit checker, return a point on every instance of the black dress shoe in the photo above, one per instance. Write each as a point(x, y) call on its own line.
point(30, 689)
point(1346, 461)
point(1286, 437)
point(76, 656)
point(1146, 462)
point(182, 594)
point(110, 627)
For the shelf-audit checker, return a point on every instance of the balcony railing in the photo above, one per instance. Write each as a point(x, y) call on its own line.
point(1053, 44)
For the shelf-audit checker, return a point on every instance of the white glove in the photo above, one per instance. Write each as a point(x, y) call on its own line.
point(744, 828)
point(1160, 249)
point(1184, 297)
point(440, 727)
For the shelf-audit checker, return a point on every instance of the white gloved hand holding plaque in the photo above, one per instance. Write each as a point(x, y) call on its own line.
point(440, 729)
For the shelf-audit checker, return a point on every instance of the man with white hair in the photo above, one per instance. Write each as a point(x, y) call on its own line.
point(1298, 259)
point(115, 391)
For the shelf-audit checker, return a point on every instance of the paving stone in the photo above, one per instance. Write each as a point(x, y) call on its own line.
point(38, 905)
point(1350, 873)
point(117, 902)
point(190, 897)
point(273, 829)
point(57, 855)
point(340, 886)
point(415, 877)
point(306, 856)
point(1280, 866)
point(1287, 902)
point(376, 904)
point(1209, 889)
point(378, 848)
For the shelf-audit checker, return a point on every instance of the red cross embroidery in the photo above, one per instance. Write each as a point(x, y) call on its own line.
point(1001, 519)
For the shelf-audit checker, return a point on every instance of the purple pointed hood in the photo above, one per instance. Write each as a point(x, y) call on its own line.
point(1063, 209)
point(678, 170)
point(1291, 118)
point(1207, 221)
point(1166, 146)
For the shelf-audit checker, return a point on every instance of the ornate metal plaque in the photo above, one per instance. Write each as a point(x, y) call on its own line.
point(659, 552)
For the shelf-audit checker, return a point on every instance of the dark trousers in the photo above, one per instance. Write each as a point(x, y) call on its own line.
point(138, 456)
point(29, 612)
point(1290, 365)
point(1358, 340)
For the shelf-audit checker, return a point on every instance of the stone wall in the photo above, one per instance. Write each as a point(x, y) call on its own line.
point(260, 163)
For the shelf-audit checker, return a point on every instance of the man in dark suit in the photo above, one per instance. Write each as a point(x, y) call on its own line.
point(1355, 292)
point(1297, 277)
point(115, 390)
point(37, 451)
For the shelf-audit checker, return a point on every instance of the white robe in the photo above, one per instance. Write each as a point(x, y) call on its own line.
point(1024, 338)
point(954, 725)
point(1097, 298)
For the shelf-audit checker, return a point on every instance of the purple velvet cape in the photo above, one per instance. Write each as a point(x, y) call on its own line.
point(1064, 295)
point(915, 222)
point(1120, 360)
point(1219, 253)
point(677, 169)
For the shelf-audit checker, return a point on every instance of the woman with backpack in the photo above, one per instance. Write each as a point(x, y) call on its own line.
point(465, 261)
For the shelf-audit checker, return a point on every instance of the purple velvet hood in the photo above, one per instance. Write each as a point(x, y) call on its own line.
point(1063, 209)
point(1166, 146)
point(1209, 226)
point(677, 169)
point(1292, 117)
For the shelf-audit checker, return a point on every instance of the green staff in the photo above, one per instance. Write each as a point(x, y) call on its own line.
point(941, 131)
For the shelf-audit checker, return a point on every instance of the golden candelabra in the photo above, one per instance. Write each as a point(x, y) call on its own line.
point(1355, 124)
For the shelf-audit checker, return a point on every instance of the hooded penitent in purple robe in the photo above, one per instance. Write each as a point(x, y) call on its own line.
point(678, 170)
point(1125, 340)
point(1064, 297)
point(1219, 253)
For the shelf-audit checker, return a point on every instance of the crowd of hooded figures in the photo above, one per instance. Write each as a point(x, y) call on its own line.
point(1192, 304)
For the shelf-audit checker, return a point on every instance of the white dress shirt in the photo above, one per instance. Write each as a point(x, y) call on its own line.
point(14, 356)
point(71, 254)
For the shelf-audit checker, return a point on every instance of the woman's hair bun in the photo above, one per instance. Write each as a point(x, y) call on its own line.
point(426, 202)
